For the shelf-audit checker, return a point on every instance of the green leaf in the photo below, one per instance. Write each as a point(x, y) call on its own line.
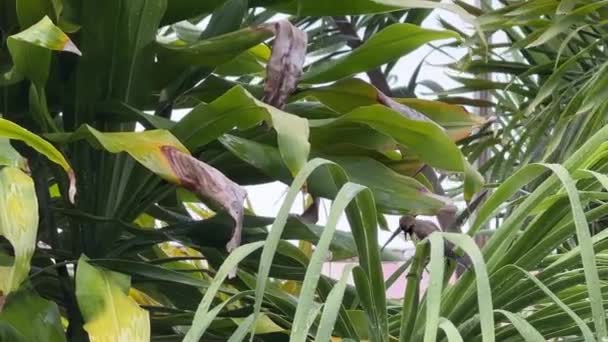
point(31, 11)
point(522, 177)
point(216, 50)
point(588, 335)
point(238, 108)
point(433, 297)
point(329, 7)
point(484, 292)
point(525, 329)
point(148, 271)
point(145, 147)
point(449, 6)
point(109, 313)
point(10, 157)
point(450, 330)
point(305, 313)
point(29, 317)
point(394, 41)
point(18, 224)
point(332, 307)
point(347, 95)
point(30, 49)
point(201, 318)
point(561, 23)
point(425, 139)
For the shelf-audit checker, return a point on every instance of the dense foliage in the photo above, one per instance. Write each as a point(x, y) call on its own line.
point(130, 128)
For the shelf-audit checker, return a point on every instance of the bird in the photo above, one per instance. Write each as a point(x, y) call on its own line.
point(421, 229)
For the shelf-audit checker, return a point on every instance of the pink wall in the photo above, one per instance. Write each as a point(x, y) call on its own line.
point(335, 269)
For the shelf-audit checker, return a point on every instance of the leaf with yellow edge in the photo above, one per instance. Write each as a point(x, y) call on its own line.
point(109, 313)
point(163, 154)
point(11, 130)
point(18, 224)
point(145, 147)
point(10, 157)
point(31, 49)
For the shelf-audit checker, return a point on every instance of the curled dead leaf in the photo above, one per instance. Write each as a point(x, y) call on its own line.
point(285, 66)
point(212, 186)
point(72, 186)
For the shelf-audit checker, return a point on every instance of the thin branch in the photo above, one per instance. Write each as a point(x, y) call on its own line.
point(347, 29)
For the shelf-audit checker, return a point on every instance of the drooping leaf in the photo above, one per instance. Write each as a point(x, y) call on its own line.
point(109, 313)
point(426, 140)
point(145, 147)
point(394, 193)
point(237, 108)
point(211, 185)
point(18, 224)
point(30, 49)
point(286, 62)
point(31, 318)
point(346, 95)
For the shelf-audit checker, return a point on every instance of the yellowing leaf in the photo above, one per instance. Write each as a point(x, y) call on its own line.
point(18, 224)
point(145, 147)
point(31, 49)
point(163, 154)
point(110, 315)
point(11, 130)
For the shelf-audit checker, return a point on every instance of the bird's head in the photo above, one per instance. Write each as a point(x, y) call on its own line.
point(407, 223)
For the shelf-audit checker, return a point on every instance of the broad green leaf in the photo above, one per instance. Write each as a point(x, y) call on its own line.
point(148, 271)
point(30, 49)
point(216, 50)
point(427, 140)
point(394, 41)
point(393, 192)
point(237, 108)
point(145, 147)
point(329, 7)
point(10, 157)
point(347, 95)
point(448, 6)
point(31, 318)
point(178, 10)
point(18, 224)
point(31, 11)
point(160, 152)
point(109, 313)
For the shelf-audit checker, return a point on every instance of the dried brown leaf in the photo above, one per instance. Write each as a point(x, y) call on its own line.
point(285, 66)
point(212, 187)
